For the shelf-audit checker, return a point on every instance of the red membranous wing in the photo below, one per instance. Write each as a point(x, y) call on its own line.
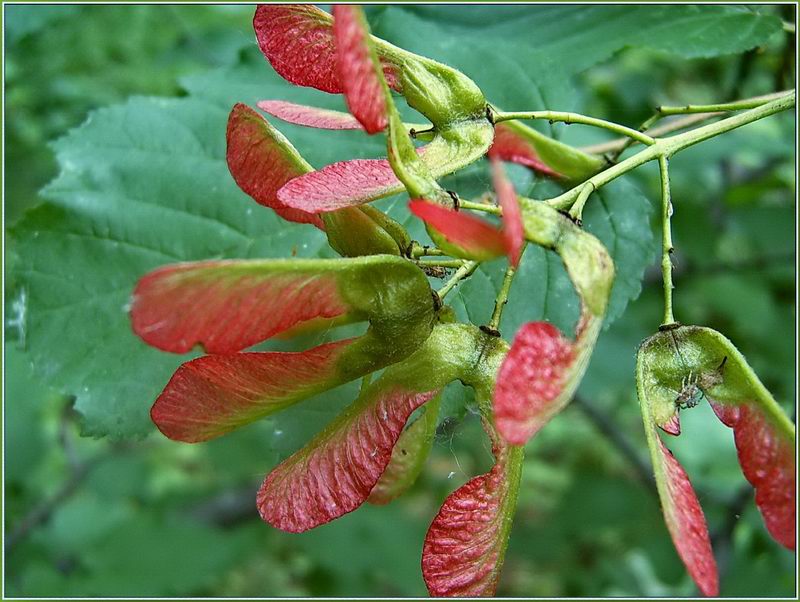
point(673, 425)
point(664, 361)
point(465, 544)
point(261, 161)
point(512, 214)
point(509, 146)
point(215, 394)
point(312, 117)
point(408, 457)
point(227, 306)
point(531, 377)
point(687, 524)
point(358, 70)
point(298, 41)
point(340, 185)
point(335, 473)
point(764, 435)
point(768, 462)
point(472, 234)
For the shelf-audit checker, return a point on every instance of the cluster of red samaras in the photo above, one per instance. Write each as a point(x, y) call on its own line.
point(197, 403)
point(336, 59)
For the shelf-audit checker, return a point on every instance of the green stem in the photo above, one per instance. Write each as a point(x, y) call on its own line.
point(576, 211)
point(418, 250)
point(628, 142)
point(618, 146)
point(502, 297)
point(480, 207)
point(696, 113)
point(566, 200)
point(677, 143)
point(465, 270)
point(737, 105)
point(421, 131)
point(666, 239)
point(669, 146)
point(441, 263)
point(576, 118)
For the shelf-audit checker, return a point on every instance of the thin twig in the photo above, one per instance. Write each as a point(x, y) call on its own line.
point(502, 297)
point(618, 146)
point(418, 250)
point(736, 105)
point(666, 240)
point(566, 117)
point(694, 114)
point(669, 146)
point(440, 263)
point(576, 211)
point(485, 207)
point(463, 272)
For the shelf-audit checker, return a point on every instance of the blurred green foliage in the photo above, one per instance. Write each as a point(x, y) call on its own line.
point(156, 518)
point(63, 61)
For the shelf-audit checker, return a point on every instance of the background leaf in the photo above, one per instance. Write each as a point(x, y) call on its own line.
point(733, 227)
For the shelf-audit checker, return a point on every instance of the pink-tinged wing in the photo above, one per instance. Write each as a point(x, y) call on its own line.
point(513, 230)
point(673, 425)
point(531, 378)
point(215, 394)
point(359, 181)
point(298, 41)
point(312, 117)
point(465, 545)
point(340, 185)
point(359, 69)
point(768, 461)
point(336, 471)
point(686, 522)
point(227, 306)
point(510, 146)
point(408, 457)
point(261, 161)
point(472, 234)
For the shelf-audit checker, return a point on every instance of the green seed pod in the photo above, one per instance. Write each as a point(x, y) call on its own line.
point(675, 369)
point(359, 231)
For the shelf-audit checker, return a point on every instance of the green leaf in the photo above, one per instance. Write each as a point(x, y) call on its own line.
point(619, 215)
point(541, 48)
point(145, 183)
point(23, 20)
point(174, 557)
point(25, 397)
point(114, 214)
point(253, 80)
